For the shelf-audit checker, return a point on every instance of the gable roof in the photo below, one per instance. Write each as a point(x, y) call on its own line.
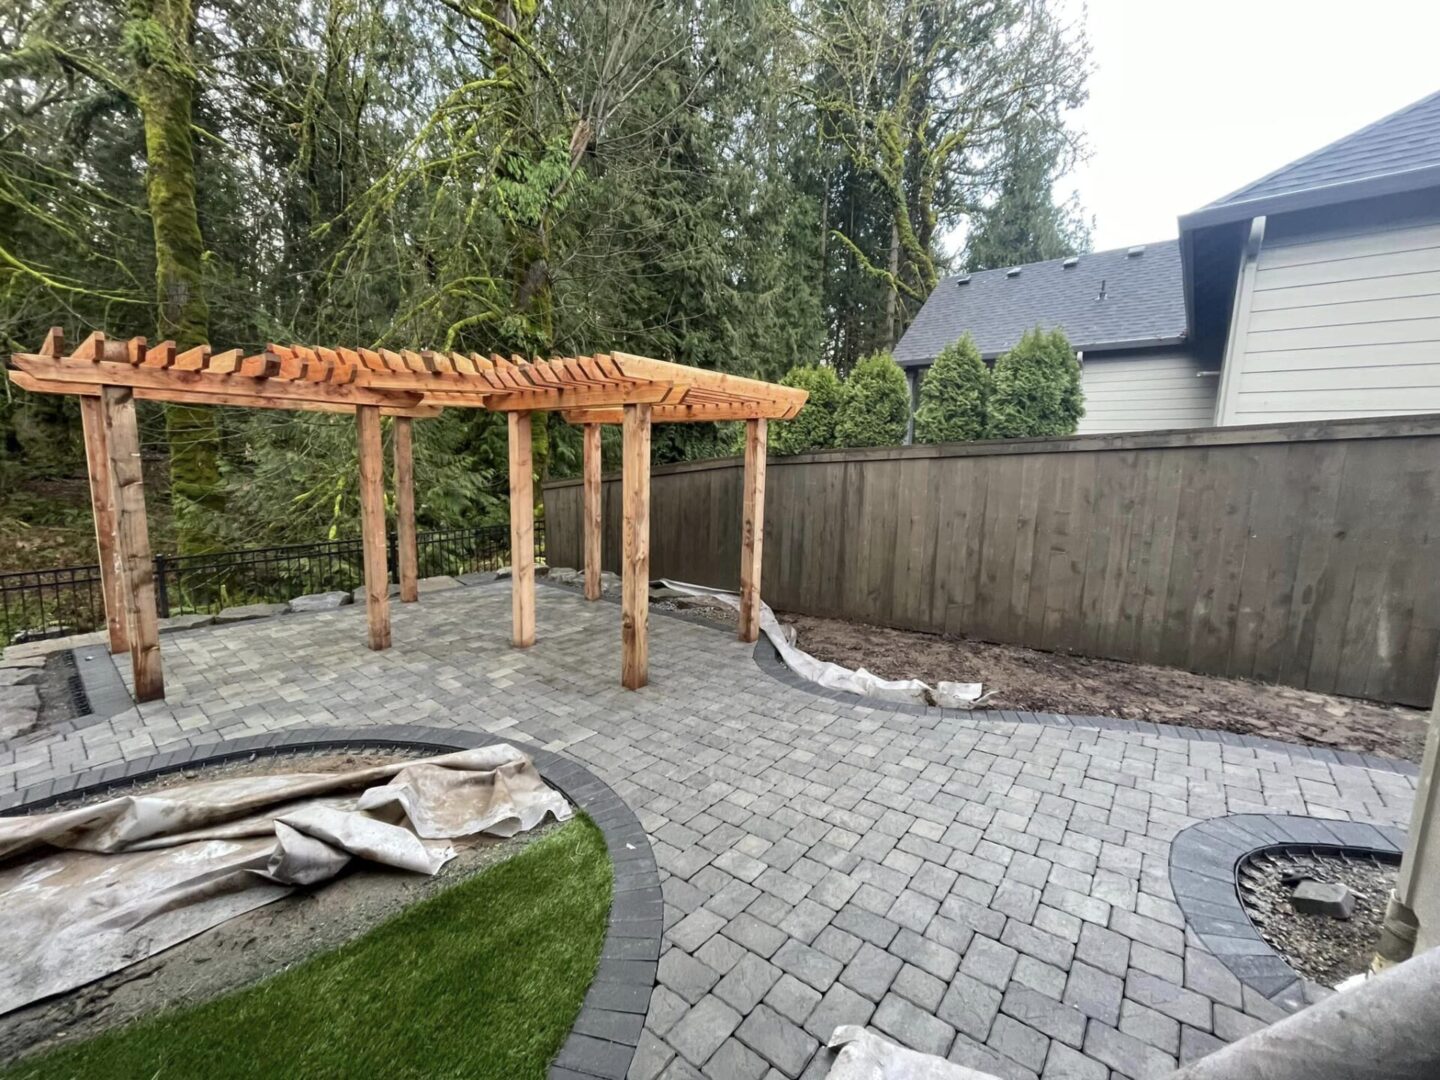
point(1143, 304)
point(1399, 152)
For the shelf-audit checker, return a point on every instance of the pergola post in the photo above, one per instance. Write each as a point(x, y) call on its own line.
point(592, 512)
point(522, 533)
point(635, 586)
point(142, 625)
point(752, 536)
point(372, 525)
point(405, 551)
point(102, 504)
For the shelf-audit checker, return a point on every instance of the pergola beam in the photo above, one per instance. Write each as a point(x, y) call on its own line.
point(689, 413)
point(83, 373)
point(206, 396)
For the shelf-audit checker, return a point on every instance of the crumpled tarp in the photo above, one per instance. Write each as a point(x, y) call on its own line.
point(91, 890)
point(866, 1056)
point(954, 695)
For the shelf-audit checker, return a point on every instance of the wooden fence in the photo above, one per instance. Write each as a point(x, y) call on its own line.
point(1303, 554)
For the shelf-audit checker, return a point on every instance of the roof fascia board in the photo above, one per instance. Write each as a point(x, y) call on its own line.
point(1128, 344)
point(1310, 198)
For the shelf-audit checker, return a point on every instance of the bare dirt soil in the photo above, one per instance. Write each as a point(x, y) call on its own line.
point(1321, 948)
point(257, 944)
point(1034, 681)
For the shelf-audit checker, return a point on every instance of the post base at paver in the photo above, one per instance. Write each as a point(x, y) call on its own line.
point(1397, 935)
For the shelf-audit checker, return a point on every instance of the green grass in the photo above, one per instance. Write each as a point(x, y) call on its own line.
point(483, 980)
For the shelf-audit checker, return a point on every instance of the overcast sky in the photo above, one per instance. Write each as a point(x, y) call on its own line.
point(1191, 100)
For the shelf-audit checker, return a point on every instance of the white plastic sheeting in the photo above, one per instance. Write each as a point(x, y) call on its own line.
point(866, 1056)
point(91, 890)
point(953, 695)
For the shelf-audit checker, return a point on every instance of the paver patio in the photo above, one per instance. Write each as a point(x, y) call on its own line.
point(995, 891)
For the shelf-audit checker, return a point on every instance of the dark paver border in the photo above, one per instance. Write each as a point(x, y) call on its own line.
point(1205, 861)
point(769, 660)
point(607, 1029)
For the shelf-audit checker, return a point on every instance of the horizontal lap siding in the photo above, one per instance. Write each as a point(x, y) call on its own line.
point(1341, 324)
point(1146, 392)
point(1306, 559)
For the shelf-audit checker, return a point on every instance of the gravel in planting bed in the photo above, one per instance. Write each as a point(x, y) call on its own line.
point(1322, 948)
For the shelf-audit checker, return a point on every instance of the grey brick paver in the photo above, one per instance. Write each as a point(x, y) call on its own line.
point(1007, 863)
point(701, 1030)
point(747, 983)
point(777, 1040)
point(989, 961)
point(871, 972)
point(840, 1005)
point(913, 1027)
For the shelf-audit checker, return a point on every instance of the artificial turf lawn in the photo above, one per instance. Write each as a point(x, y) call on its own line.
point(482, 980)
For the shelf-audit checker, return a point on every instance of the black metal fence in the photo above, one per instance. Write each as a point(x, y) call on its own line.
point(38, 604)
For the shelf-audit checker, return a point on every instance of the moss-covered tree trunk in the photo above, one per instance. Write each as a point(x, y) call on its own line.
point(158, 37)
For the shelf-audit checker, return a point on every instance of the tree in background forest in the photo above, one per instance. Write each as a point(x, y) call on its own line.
point(814, 428)
point(1036, 388)
point(1024, 224)
point(743, 185)
point(915, 102)
point(954, 395)
point(874, 404)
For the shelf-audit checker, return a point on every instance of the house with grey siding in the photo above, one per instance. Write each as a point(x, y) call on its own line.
point(1312, 293)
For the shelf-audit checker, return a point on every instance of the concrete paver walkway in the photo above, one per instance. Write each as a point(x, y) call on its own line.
point(996, 892)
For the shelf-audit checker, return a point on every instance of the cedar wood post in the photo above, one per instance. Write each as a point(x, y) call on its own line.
point(102, 504)
point(372, 525)
point(592, 511)
point(405, 509)
point(122, 438)
point(522, 533)
point(752, 536)
point(635, 588)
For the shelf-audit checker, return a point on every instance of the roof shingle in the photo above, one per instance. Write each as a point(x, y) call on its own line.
point(1142, 302)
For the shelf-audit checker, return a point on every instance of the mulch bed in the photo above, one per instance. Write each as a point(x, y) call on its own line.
point(1034, 681)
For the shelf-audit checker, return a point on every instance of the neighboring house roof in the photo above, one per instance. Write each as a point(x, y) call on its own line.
point(1142, 304)
point(1400, 152)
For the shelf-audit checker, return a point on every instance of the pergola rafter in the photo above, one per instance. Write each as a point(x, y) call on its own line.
point(610, 388)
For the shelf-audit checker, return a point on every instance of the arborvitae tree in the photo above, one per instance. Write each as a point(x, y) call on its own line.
point(814, 428)
point(1036, 388)
point(954, 395)
point(874, 404)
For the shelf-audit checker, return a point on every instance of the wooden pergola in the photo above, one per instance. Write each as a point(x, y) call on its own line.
point(615, 388)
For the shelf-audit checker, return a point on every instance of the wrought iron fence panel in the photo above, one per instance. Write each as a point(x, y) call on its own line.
point(38, 604)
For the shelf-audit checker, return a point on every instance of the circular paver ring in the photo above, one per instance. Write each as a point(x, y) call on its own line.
point(1205, 861)
point(605, 1033)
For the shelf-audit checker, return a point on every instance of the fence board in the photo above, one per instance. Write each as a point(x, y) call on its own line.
point(1295, 553)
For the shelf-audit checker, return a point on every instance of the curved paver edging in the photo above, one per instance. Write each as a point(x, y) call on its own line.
point(1204, 863)
point(769, 660)
point(607, 1029)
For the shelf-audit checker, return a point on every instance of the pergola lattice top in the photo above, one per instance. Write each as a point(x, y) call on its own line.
point(589, 390)
point(586, 389)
